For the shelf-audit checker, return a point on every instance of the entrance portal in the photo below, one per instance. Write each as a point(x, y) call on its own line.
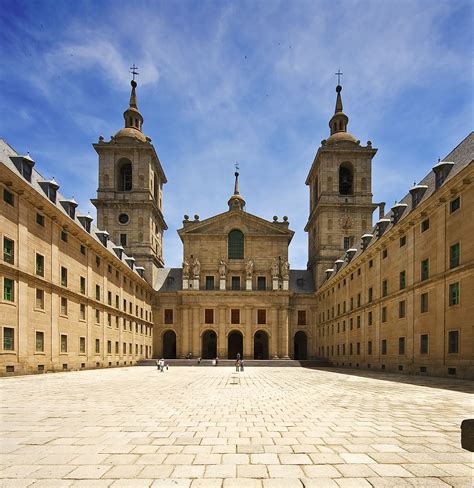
point(169, 344)
point(235, 345)
point(260, 345)
point(209, 345)
point(300, 342)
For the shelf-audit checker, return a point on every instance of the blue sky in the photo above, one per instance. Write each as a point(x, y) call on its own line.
point(225, 81)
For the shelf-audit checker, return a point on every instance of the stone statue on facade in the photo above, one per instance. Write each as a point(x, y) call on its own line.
point(285, 269)
point(196, 267)
point(185, 268)
point(275, 269)
point(249, 268)
point(222, 269)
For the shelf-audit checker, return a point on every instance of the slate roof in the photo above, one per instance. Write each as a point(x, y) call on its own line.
point(301, 281)
point(6, 152)
point(169, 280)
point(462, 155)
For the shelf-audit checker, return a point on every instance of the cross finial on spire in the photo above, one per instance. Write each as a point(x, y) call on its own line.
point(339, 74)
point(134, 71)
point(236, 166)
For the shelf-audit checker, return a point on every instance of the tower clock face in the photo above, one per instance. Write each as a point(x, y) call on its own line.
point(123, 218)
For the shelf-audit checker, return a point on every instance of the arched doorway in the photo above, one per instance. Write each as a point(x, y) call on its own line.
point(169, 344)
point(235, 345)
point(209, 345)
point(260, 345)
point(300, 342)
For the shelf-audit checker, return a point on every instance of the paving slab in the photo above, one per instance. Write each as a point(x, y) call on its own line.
point(190, 428)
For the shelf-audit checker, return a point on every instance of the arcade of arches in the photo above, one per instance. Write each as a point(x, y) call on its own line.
point(260, 346)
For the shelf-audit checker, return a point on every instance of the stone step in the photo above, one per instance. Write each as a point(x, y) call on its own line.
point(309, 363)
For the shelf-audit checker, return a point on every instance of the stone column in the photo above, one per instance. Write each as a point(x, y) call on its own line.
point(196, 340)
point(273, 346)
point(221, 339)
point(284, 332)
point(183, 340)
point(248, 339)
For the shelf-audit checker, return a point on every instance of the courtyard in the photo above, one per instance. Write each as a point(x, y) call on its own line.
point(211, 427)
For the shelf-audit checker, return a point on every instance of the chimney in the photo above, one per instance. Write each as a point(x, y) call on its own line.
point(381, 210)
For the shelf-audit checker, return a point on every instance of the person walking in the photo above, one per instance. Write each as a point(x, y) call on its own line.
point(237, 365)
point(162, 365)
point(242, 365)
point(238, 356)
point(157, 364)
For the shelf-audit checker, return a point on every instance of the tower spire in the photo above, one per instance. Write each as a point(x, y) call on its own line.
point(236, 202)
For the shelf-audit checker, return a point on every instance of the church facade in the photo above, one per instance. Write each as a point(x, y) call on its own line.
point(80, 296)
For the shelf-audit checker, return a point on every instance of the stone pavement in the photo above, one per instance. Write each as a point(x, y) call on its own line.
point(199, 427)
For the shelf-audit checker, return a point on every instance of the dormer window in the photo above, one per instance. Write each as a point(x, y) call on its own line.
point(50, 189)
point(24, 165)
point(441, 171)
point(417, 192)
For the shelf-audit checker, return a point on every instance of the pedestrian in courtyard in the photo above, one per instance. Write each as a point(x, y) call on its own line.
point(238, 356)
point(162, 365)
point(217, 360)
point(237, 365)
point(157, 364)
point(242, 365)
point(199, 360)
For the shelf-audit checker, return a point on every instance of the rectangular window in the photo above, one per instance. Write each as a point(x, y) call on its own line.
point(83, 250)
point(124, 348)
point(116, 347)
point(454, 256)
point(109, 320)
point(369, 318)
point(97, 316)
point(8, 197)
point(454, 204)
point(384, 346)
point(117, 301)
point(425, 269)
point(425, 225)
point(63, 276)
point(347, 243)
point(384, 288)
point(39, 299)
point(209, 316)
point(209, 282)
point(63, 343)
point(97, 261)
point(403, 280)
point(97, 292)
point(168, 315)
point(403, 241)
point(261, 316)
point(369, 348)
point(370, 296)
point(97, 346)
point(82, 311)
point(39, 265)
point(63, 306)
point(8, 290)
point(124, 305)
point(82, 345)
point(109, 298)
point(235, 282)
point(40, 219)
point(424, 343)
point(117, 322)
point(453, 342)
point(384, 253)
point(401, 346)
point(235, 316)
point(384, 314)
point(123, 240)
point(301, 317)
point(8, 339)
point(261, 283)
point(8, 250)
point(64, 236)
point(453, 294)
point(424, 302)
point(358, 299)
point(83, 285)
point(109, 347)
point(358, 321)
point(39, 344)
point(371, 263)
point(401, 309)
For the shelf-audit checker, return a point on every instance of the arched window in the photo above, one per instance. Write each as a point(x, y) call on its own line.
point(124, 182)
point(346, 178)
point(235, 244)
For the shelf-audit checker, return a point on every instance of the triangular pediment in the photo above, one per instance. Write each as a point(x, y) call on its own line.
point(236, 219)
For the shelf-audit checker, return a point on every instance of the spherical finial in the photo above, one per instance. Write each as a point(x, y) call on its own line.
point(338, 88)
point(275, 218)
point(236, 174)
point(133, 83)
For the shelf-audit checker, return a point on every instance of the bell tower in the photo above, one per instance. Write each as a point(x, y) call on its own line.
point(129, 197)
point(340, 184)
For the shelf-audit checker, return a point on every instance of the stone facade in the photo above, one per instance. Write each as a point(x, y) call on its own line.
point(397, 296)
point(69, 301)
